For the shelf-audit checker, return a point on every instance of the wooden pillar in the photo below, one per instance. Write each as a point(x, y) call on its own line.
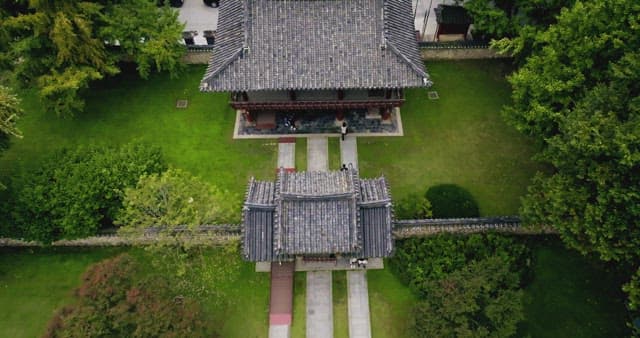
point(245, 96)
point(386, 113)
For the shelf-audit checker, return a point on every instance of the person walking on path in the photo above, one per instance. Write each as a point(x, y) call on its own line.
point(343, 130)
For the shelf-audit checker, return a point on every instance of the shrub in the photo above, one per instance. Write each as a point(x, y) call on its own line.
point(418, 260)
point(413, 206)
point(112, 302)
point(481, 299)
point(76, 191)
point(450, 200)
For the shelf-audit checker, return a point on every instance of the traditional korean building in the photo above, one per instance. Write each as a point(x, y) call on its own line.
point(317, 215)
point(327, 55)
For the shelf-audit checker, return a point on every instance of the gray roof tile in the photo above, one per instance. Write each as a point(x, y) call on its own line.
point(314, 44)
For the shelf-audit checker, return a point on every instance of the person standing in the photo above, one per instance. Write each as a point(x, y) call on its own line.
point(343, 130)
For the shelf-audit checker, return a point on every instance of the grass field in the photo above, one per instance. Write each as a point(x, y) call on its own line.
point(34, 283)
point(460, 138)
point(126, 108)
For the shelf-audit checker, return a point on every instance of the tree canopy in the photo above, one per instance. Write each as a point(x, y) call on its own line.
point(578, 96)
point(61, 46)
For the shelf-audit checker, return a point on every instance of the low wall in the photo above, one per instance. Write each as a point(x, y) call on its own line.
point(211, 235)
point(197, 57)
point(459, 53)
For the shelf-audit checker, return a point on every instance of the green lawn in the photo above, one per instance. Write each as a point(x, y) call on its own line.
point(34, 283)
point(299, 325)
point(460, 138)
point(340, 310)
point(126, 108)
point(390, 303)
point(572, 297)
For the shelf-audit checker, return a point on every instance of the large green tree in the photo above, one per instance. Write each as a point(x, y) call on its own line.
point(578, 96)
point(482, 299)
point(64, 45)
point(73, 193)
point(10, 111)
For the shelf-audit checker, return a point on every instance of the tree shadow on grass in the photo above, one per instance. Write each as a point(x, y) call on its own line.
point(451, 200)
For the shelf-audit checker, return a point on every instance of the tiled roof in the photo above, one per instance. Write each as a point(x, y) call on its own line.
point(314, 44)
point(455, 15)
point(309, 213)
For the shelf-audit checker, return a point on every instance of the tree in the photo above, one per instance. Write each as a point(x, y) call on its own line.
point(413, 206)
point(578, 96)
point(482, 299)
point(512, 25)
point(10, 111)
point(76, 192)
point(113, 302)
point(174, 198)
point(62, 46)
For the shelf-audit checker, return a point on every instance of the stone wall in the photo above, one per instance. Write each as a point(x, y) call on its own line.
point(197, 57)
point(459, 53)
point(211, 235)
point(201, 56)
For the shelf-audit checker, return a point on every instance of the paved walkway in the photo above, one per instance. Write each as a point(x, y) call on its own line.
point(319, 305)
point(349, 151)
point(358, 305)
point(317, 154)
point(286, 155)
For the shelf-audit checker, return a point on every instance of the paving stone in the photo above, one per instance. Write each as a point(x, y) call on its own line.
point(319, 305)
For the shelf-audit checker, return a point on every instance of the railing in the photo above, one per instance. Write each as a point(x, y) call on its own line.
point(293, 105)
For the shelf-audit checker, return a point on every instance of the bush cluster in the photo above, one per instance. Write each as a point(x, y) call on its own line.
point(112, 302)
point(467, 285)
point(75, 192)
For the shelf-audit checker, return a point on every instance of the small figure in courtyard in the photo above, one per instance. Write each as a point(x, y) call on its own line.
point(352, 263)
point(343, 130)
point(344, 167)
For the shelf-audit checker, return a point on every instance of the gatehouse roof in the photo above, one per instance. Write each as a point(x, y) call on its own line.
point(317, 213)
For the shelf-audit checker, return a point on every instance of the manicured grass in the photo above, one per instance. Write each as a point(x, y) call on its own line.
point(340, 310)
point(126, 108)
point(570, 296)
point(245, 314)
point(460, 138)
point(334, 153)
point(34, 283)
point(390, 303)
point(301, 154)
point(299, 325)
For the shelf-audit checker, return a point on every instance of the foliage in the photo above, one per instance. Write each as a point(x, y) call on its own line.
point(10, 111)
point(451, 200)
point(467, 285)
point(578, 96)
point(75, 191)
point(418, 260)
point(413, 206)
point(482, 299)
point(174, 198)
point(111, 302)
point(512, 25)
point(64, 45)
point(632, 288)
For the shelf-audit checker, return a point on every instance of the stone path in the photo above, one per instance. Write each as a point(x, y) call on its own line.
point(349, 151)
point(286, 155)
point(319, 305)
point(358, 305)
point(317, 154)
